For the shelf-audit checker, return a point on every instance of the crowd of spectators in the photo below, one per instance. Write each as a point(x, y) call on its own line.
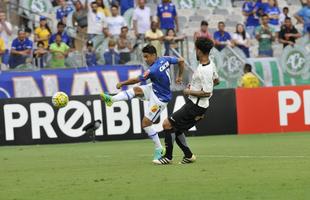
point(264, 21)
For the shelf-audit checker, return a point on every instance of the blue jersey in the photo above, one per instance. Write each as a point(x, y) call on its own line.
point(159, 73)
point(19, 45)
point(304, 13)
point(273, 11)
point(221, 38)
point(63, 12)
point(65, 38)
point(166, 14)
point(252, 20)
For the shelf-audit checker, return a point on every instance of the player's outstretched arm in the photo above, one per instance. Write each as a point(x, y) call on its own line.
point(128, 82)
point(181, 63)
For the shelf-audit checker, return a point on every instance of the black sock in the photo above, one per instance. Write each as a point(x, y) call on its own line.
point(169, 140)
point(181, 142)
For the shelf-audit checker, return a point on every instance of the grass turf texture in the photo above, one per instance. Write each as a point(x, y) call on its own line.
point(228, 167)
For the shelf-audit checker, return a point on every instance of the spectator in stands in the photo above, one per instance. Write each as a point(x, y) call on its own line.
point(40, 55)
point(288, 33)
point(2, 50)
point(6, 32)
point(64, 36)
point(283, 15)
point(248, 79)
point(124, 4)
point(252, 21)
point(155, 37)
point(21, 49)
point(90, 54)
point(43, 32)
point(141, 19)
point(63, 11)
point(261, 7)
point(167, 15)
point(203, 32)
point(102, 8)
point(59, 51)
point(115, 22)
point(172, 40)
point(241, 39)
point(221, 37)
point(273, 13)
point(303, 16)
point(124, 46)
point(79, 21)
point(96, 21)
point(111, 56)
point(265, 36)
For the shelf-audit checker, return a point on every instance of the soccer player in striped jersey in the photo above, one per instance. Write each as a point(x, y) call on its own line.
point(157, 92)
point(199, 92)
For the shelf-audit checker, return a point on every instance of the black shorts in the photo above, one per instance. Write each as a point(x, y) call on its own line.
point(187, 116)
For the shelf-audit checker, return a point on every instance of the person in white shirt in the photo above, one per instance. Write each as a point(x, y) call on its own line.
point(241, 39)
point(115, 22)
point(283, 15)
point(199, 92)
point(141, 19)
point(96, 21)
point(5, 33)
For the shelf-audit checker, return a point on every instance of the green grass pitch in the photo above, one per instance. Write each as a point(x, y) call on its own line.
point(275, 166)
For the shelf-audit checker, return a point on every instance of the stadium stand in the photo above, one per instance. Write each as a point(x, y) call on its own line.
point(190, 14)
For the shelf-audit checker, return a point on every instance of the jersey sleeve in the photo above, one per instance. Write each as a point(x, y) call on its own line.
point(145, 76)
point(171, 59)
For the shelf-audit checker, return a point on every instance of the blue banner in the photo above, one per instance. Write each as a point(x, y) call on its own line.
point(73, 81)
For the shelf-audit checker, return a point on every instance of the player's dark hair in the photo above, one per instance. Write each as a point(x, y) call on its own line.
point(150, 49)
point(221, 22)
point(248, 67)
point(40, 43)
point(285, 8)
point(61, 24)
point(94, 2)
point(288, 18)
point(204, 23)
point(114, 6)
point(204, 45)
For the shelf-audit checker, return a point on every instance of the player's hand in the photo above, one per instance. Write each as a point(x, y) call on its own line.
point(186, 91)
point(179, 80)
point(119, 85)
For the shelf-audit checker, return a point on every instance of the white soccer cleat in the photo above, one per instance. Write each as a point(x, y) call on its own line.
point(162, 161)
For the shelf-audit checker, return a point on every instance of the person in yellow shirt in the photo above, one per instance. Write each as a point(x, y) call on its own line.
point(155, 37)
point(248, 80)
point(102, 8)
point(2, 50)
point(43, 32)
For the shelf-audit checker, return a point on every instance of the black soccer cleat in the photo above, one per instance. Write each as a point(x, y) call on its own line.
point(188, 160)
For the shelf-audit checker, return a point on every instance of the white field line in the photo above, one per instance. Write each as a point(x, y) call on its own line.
point(223, 156)
point(244, 156)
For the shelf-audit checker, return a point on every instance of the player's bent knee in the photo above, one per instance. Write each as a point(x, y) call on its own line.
point(146, 122)
point(167, 125)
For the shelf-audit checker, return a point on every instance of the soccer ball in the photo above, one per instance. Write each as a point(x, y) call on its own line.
point(60, 99)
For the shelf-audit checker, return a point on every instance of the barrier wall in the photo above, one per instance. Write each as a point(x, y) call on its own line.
point(274, 109)
point(26, 121)
point(73, 81)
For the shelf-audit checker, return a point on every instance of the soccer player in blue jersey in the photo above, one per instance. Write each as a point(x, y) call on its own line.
point(158, 92)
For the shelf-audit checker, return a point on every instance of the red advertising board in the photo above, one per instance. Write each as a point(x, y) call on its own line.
point(274, 109)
